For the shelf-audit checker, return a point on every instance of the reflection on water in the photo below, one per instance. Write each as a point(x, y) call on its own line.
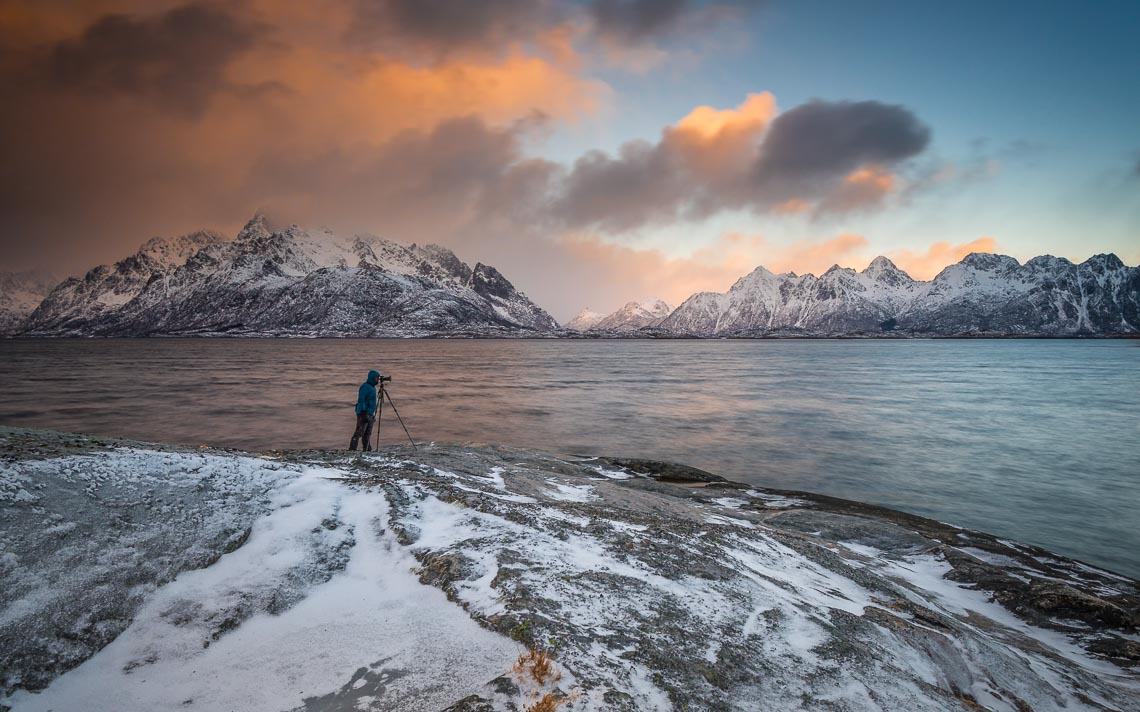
point(1036, 440)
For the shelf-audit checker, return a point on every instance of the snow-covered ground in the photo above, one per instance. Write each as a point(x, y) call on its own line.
point(141, 578)
point(317, 606)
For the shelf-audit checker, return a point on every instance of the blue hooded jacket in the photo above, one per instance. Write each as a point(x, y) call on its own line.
point(366, 398)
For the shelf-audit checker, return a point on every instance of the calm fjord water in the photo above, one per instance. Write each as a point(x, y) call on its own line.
point(1034, 440)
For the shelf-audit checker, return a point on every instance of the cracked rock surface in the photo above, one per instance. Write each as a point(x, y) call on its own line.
point(413, 580)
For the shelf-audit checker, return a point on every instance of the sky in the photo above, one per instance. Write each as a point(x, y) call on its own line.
point(595, 151)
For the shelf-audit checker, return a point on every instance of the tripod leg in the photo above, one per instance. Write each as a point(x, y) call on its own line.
point(405, 427)
point(379, 414)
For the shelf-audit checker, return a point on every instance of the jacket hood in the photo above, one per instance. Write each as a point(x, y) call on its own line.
point(374, 377)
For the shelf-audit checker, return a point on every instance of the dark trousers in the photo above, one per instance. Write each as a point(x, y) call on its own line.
point(363, 430)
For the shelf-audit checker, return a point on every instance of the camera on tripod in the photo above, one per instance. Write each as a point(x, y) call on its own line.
point(381, 394)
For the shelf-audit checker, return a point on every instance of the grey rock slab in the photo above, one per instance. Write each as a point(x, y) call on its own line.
point(652, 586)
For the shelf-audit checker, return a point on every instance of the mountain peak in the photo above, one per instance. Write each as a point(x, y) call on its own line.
point(1048, 262)
point(175, 251)
point(1104, 261)
point(879, 265)
point(989, 262)
point(256, 228)
point(632, 316)
point(883, 270)
point(836, 269)
point(653, 305)
point(760, 274)
point(584, 320)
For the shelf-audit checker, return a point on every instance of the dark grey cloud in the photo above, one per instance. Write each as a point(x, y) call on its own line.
point(464, 175)
point(434, 29)
point(178, 57)
point(421, 185)
point(821, 140)
point(437, 28)
point(805, 155)
point(643, 184)
point(637, 19)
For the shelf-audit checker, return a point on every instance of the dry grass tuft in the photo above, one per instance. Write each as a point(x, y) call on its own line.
point(550, 702)
point(539, 666)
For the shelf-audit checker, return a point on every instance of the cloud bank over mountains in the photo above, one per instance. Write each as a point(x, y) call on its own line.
point(415, 120)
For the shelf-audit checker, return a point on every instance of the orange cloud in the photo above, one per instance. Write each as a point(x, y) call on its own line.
point(558, 44)
point(720, 144)
point(875, 177)
point(862, 188)
point(294, 87)
point(343, 97)
point(927, 265)
point(749, 118)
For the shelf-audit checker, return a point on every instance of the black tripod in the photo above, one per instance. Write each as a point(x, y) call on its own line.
point(380, 412)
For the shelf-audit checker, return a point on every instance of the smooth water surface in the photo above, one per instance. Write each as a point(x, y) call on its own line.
point(1034, 440)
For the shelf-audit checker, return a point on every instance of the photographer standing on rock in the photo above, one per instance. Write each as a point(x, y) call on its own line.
point(366, 405)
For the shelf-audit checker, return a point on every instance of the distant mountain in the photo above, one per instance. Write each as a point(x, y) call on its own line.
point(981, 295)
point(77, 304)
point(287, 282)
point(584, 320)
point(300, 282)
point(20, 294)
point(634, 315)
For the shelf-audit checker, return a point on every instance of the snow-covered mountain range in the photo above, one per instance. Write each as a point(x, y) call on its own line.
point(20, 294)
point(305, 282)
point(983, 294)
point(286, 282)
point(634, 315)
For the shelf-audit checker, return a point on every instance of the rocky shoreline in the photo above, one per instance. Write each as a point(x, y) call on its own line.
point(130, 569)
point(593, 335)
